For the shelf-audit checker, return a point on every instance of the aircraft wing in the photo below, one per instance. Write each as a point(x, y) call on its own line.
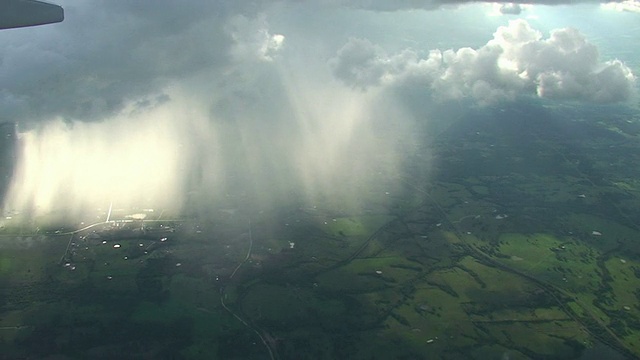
point(21, 13)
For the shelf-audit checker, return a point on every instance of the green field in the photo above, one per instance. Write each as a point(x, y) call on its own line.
point(520, 244)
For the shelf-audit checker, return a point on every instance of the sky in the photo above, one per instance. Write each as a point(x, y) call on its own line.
point(155, 105)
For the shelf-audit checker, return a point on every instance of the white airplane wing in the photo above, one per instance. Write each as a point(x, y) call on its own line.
point(21, 13)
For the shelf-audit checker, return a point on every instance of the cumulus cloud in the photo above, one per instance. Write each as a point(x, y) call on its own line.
point(359, 62)
point(252, 39)
point(516, 61)
point(626, 5)
point(510, 9)
point(393, 5)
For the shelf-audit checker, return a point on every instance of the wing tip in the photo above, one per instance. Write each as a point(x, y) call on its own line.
point(23, 13)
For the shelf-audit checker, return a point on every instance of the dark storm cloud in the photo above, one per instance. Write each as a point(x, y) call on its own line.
point(516, 61)
point(105, 54)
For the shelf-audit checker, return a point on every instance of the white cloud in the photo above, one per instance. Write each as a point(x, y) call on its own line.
point(252, 39)
point(626, 5)
point(511, 9)
point(508, 8)
point(516, 61)
point(393, 5)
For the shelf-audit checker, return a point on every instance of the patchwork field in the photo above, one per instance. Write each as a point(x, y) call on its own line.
point(520, 245)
